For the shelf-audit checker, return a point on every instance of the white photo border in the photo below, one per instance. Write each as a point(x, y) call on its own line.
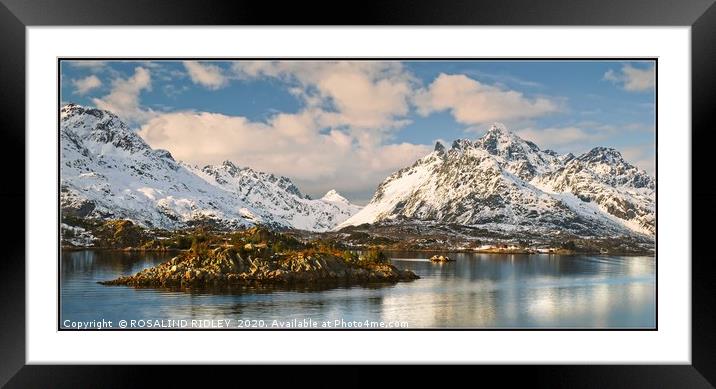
point(670, 344)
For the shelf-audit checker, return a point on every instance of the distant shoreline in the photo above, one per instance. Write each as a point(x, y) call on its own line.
point(125, 236)
point(125, 250)
point(388, 250)
point(519, 252)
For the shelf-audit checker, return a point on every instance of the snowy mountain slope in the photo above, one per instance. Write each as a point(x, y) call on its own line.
point(603, 178)
point(503, 182)
point(108, 171)
point(278, 198)
point(518, 156)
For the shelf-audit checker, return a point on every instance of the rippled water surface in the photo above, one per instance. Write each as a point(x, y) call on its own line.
point(476, 290)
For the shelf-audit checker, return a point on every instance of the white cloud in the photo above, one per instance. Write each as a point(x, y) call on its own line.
point(641, 156)
point(472, 102)
point(633, 79)
point(123, 99)
point(207, 75)
point(559, 138)
point(287, 144)
point(84, 85)
point(359, 95)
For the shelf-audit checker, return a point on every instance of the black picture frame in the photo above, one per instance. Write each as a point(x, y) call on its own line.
point(700, 15)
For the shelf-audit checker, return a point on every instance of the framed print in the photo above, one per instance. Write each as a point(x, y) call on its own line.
point(520, 193)
point(492, 230)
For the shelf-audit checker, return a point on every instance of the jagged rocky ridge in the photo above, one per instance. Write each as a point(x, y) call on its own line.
point(502, 182)
point(108, 172)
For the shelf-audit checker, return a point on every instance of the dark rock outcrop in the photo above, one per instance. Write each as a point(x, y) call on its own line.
point(225, 266)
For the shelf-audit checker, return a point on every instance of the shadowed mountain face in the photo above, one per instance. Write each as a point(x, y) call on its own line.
point(503, 182)
point(109, 172)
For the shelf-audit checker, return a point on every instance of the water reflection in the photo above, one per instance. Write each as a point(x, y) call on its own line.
point(531, 291)
point(476, 290)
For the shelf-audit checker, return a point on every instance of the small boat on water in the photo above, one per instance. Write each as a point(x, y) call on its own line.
point(440, 258)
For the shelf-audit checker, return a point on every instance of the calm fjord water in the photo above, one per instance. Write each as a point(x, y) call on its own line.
point(477, 290)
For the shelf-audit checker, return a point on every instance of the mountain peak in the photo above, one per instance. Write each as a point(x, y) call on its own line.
point(333, 196)
point(461, 144)
point(230, 165)
point(498, 128)
point(99, 127)
point(439, 147)
point(72, 109)
point(502, 179)
point(69, 107)
point(498, 140)
point(498, 133)
point(602, 154)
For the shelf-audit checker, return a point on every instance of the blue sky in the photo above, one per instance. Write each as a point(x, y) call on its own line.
point(347, 125)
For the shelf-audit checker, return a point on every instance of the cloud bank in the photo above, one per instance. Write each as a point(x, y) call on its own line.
point(288, 144)
point(472, 102)
point(368, 98)
point(633, 79)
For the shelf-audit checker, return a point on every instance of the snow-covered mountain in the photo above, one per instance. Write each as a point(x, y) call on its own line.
point(499, 181)
point(108, 171)
point(278, 198)
point(503, 182)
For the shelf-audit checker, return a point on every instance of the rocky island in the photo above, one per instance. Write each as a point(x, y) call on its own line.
point(262, 257)
point(440, 258)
